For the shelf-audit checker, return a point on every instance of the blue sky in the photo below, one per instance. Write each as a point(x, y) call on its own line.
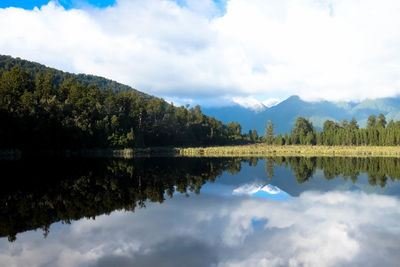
point(67, 4)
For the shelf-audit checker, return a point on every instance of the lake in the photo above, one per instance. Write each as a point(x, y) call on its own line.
point(174, 211)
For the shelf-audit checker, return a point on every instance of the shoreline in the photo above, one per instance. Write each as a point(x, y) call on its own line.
point(253, 150)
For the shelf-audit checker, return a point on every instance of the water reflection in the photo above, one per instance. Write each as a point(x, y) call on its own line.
point(263, 191)
point(315, 229)
point(235, 221)
point(40, 193)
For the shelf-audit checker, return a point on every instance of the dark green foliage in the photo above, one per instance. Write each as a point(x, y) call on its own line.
point(39, 113)
point(303, 132)
point(345, 134)
point(234, 130)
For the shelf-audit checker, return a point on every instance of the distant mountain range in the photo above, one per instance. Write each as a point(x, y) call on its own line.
point(284, 114)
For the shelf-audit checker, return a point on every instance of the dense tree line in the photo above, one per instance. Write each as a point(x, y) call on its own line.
point(377, 133)
point(37, 112)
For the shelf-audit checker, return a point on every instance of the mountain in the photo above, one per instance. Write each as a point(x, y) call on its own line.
point(284, 114)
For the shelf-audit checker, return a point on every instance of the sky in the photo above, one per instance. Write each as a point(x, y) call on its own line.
point(216, 52)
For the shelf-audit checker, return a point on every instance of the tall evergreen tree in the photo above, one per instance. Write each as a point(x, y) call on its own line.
point(353, 124)
point(371, 121)
point(381, 121)
point(269, 133)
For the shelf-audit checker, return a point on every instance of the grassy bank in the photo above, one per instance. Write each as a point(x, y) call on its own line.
point(294, 150)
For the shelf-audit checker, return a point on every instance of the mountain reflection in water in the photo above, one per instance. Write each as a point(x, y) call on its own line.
point(332, 212)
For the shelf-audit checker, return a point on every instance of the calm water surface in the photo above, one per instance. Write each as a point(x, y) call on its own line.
point(200, 212)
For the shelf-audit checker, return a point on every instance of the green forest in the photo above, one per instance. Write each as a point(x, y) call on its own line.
point(377, 133)
point(42, 108)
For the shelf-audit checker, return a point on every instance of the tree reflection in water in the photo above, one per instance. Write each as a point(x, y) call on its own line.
point(37, 193)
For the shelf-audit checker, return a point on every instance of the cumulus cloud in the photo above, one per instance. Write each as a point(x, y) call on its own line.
point(318, 49)
point(314, 229)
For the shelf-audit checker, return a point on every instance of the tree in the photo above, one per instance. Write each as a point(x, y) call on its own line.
point(390, 125)
point(353, 125)
point(330, 125)
point(302, 127)
point(234, 129)
point(381, 122)
point(253, 135)
point(269, 133)
point(53, 111)
point(371, 121)
point(279, 140)
point(310, 139)
point(344, 123)
point(13, 84)
point(286, 139)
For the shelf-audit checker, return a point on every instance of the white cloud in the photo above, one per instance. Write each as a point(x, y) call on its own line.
point(330, 49)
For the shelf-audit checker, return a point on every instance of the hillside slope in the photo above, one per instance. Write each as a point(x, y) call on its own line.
point(33, 68)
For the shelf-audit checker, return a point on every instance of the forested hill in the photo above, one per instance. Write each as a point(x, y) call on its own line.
point(58, 76)
point(42, 108)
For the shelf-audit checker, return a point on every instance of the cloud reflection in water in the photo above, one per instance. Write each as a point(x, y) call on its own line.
point(314, 229)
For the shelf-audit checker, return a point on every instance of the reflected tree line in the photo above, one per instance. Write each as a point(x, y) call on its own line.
point(40, 193)
point(378, 170)
point(37, 193)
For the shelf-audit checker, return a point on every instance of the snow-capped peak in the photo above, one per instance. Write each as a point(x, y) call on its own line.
point(270, 102)
point(254, 104)
point(249, 103)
